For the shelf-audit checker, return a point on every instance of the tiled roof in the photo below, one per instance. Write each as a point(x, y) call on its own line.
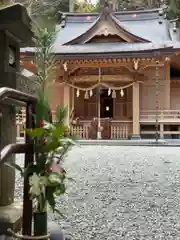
point(109, 47)
point(143, 24)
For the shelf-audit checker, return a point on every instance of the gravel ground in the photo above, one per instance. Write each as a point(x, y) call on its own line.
point(121, 193)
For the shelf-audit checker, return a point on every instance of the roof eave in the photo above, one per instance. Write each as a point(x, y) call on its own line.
point(140, 54)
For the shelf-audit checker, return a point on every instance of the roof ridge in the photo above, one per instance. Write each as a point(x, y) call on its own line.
point(138, 11)
point(114, 13)
point(79, 14)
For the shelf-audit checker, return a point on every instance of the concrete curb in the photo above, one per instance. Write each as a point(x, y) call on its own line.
point(142, 142)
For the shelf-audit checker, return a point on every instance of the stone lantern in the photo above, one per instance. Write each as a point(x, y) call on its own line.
point(15, 32)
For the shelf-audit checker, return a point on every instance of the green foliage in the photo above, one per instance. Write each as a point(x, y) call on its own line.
point(174, 9)
point(51, 145)
point(44, 59)
point(61, 114)
point(42, 113)
point(87, 7)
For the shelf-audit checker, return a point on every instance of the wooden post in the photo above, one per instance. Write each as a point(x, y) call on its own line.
point(99, 115)
point(167, 94)
point(136, 124)
point(161, 131)
point(67, 103)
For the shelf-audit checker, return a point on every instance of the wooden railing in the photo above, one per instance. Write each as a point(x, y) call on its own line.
point(161, 115)
point(81, 132)
point(119, 132)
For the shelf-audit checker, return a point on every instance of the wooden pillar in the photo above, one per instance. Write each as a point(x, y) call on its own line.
point(67, 103)
point(178, 131)
point(161, 131)
point(136, 124)
point(167, 94)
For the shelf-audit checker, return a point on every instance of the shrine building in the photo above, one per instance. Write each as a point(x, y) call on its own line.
point(118, 73)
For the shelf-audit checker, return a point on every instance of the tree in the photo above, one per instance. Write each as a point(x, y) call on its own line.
point(86, 7)
point(174, 9)
point(121, 5)
point(47, 9)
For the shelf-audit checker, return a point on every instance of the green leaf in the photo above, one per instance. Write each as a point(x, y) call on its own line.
point(58, 132)
point(51, 145)
point(50, 197)
point(36, 132)
point(29, 170)
point(41, 159)
point(54, 178)
point(61, 113)
point(48, 126)
point(68, 141)
point(60, 190)
point(15, 166)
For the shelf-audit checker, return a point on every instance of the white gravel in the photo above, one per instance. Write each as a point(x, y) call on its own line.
point(121, 193)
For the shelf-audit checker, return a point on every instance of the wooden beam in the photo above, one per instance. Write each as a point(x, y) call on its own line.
point(104, 78)
point(72, 68)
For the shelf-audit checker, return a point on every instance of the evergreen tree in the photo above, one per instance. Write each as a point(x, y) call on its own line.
point(174, 9)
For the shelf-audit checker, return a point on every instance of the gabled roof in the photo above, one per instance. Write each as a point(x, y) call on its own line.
point(106, 24)
point(142, 32)
point(144, 25)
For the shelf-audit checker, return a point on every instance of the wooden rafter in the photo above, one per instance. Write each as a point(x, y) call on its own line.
point(128, 64)
point(109, 62)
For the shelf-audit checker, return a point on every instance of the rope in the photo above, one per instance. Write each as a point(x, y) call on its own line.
point(102, 84)
point(28, 237)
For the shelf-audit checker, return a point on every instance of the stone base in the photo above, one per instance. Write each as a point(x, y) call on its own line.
point(135, 137)
point(11, 217)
